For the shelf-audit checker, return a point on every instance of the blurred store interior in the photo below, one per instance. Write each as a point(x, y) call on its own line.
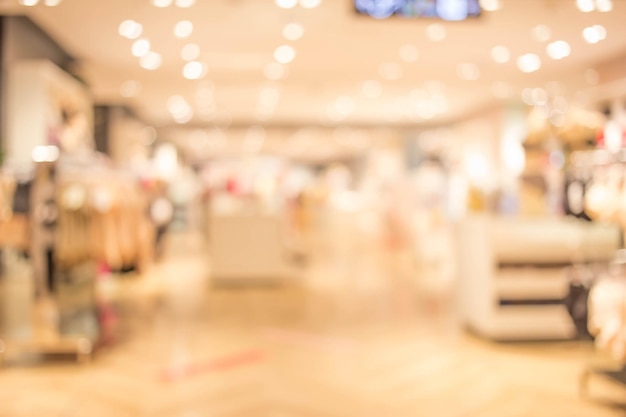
point(312, 208)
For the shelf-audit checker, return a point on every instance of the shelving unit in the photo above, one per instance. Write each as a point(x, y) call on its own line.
point(513, 273)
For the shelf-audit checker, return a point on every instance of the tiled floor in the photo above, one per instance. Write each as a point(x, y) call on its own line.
point(347, 338)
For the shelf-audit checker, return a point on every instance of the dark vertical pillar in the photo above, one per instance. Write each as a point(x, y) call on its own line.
point(102, 117)
point(2, 86)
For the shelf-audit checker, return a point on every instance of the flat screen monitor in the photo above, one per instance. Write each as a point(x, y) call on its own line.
point(451, 10)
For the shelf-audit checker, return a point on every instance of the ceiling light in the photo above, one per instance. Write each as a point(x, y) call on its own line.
point(501, 89)
point(541, 33)
point(344, 105)
point(434, 86)
point(141, 47)
point(293, 31)
point(527, 96)
point(490, 5)
point(161, 3)
point(439, 103)
point(274, 71)
point(529, 63)
point(184, 118)
point(500, 54)
point(204, 94)
point(29, 2)
point(129, 88)
point(594, 34)
point(284, 54)
point(180, 110)
point(539, 96)
point(604, 5)
point(177, 104)
point(254, 139)
point(52, 3)
point(286, 4)
point(585, 6)
point(468, 71)
point(418, 95)
point(151, 61)
point(194, 70)
point(130, 29)
point(185, 3)
point(409, 53)
point(183, 29)
point(390, 71)
point(190, 52)
point(558, 49)
point(436, 32)
point(310, 4)
point(372, 89)
point(425, 110)
point(269, 97)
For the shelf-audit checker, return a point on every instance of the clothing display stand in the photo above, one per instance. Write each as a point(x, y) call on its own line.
point(513, 273)
point(607, 322)
point(62, 294)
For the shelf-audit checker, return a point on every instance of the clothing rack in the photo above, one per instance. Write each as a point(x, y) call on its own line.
point(608, 363)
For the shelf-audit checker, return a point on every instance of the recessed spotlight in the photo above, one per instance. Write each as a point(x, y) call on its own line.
point(371, 89)
point(585, 6)
point(500, 54)
point(539, 96)
point(151, 61)
point(194, 70)
point(274, 71)
point(284, 54)
point(529, 63)
point(52, 3)
point(310, 4)
point(293, 31)
point(490, 5)
point(130, 29)
point(425, 110)
point(390, 71)
point(594, 34)
point(269, 97)
point(185, 3)
point(141, 47)
point(501, 89)
point(29, 2)
point(408, 53)
point(440, 103)
point(190, 52)
point(286, 4)
point(542, 33)
point(604, 5)
point(183, 29)
point(468, 71)
point(558, 50)
point(184, 118)
point(161, 3)
point(129, 89)
point(177, 104)
point(527, 96)
point(436, 32)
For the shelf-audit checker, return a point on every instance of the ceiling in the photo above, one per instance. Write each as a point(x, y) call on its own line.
point(339, 51)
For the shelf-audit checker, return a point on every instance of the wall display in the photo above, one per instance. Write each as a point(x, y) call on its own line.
point(452, 10)
point(607, 323)
point(48, 110)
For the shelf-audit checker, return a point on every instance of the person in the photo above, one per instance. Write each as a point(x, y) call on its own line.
point(161, 214)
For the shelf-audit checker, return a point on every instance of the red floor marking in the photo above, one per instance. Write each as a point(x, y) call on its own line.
point(215, 365)
point(332, 344)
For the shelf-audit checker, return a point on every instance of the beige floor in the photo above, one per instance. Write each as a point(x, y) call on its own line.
point(347, 338)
